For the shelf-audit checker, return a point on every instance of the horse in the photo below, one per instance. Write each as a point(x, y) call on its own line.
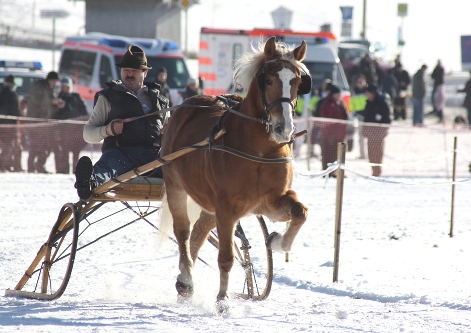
point(251, 173)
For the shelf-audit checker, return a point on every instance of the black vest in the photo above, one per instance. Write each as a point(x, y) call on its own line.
point(143, 132)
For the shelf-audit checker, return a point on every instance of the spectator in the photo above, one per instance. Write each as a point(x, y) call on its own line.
point(356, 104)
point(315, 106)
point(192, 89)
point(390, 85)
point(126, 145)
point(161, 78)
point(41, 104)
point(400, 102)
point(467, 99)
point(438, 77)
point(377, 110)
point(332, 132)
point(419, 91)
point(10, 158)
point(439, 100)
point(68, 137)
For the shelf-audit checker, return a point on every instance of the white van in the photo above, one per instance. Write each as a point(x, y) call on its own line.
point(90, 60)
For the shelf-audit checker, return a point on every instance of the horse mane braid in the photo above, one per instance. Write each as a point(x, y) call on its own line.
point(248, 65)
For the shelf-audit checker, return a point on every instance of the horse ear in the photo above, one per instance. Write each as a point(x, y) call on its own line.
point(270, 47)
point(300, 51)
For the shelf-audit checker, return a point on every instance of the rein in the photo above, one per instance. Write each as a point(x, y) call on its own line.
point(226, 102)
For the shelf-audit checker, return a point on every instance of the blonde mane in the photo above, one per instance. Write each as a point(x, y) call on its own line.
point(247, 66)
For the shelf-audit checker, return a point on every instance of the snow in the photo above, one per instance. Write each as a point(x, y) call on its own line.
point(399, 270)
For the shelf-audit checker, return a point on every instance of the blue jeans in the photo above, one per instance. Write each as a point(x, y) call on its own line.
point(418, 116)
point(115, 162)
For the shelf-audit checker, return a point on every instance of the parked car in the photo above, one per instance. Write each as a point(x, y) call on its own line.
point(25, 73)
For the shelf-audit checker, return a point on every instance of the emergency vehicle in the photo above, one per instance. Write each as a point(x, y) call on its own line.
point(90, 60)
point(25, 73)
point(220, 48)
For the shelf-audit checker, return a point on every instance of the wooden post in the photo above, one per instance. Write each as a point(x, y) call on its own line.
point(455, 145)
point(341, 150)
point(309, 146)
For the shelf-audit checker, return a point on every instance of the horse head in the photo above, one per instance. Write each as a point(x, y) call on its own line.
point(280, 80)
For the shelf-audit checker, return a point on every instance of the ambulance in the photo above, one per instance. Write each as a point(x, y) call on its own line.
point(90, 60)
point(220, 48)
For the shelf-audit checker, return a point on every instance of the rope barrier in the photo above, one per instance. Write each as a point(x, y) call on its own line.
point(336, 165)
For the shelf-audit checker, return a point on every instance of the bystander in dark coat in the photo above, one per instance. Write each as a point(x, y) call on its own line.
point(68, 137)
point(10, 138)
point(377, 111)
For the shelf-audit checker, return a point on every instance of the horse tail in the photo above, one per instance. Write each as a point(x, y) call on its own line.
point(166, 221)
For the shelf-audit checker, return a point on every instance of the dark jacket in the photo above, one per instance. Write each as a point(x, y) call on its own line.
point(9, 105)
point(377, 111)
point(467, 98)
point(74, 106)
point(389, 84)
point(418, 85)
point(165, 91)
point(403, 78)
point(143, 132)
point(438, 75)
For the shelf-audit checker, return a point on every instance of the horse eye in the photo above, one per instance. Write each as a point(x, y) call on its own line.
point(268, 82)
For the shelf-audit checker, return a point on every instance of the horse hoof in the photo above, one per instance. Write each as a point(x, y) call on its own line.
point(274, 241)
point(222, 307)
point(183, 289)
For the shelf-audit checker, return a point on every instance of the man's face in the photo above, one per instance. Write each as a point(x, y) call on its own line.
point(65, 88)
point(52, 83)
point(132, 78)
point(162, 77)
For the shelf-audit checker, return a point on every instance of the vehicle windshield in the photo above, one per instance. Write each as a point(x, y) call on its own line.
point(177, 72)
point(79, 65)
point(321, 71)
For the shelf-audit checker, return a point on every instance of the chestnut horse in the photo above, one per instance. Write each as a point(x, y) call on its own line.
point(226, 186)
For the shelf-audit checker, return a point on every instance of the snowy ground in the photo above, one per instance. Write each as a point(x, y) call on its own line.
point(399, 269)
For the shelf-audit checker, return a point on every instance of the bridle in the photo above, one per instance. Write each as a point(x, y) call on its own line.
point(303, 88)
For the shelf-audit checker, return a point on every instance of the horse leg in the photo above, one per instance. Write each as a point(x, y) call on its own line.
point(225, 229)
point(297, 212)
point(177, 205)
point(199, 234)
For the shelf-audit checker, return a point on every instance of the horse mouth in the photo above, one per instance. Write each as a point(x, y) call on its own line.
point(281, 133)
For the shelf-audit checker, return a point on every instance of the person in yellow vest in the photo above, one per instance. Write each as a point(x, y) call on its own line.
point(357, 104)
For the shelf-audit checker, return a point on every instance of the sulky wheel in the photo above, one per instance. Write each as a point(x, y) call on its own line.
point(252, 274)
point(50, 279)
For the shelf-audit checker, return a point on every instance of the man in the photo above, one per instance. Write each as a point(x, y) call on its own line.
point(419, 89)
point(438, 77)
point(192, 89)
point(10, 157)
point(377, 110)
point(126, 145)
point(400, 102)
point(68, 137)
point(41, 104)
point(161, 78)
point(356, 104)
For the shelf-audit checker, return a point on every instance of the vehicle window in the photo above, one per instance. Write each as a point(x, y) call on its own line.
point(236, 53)
point(78, 64)
point(177, 72)
point(105, 70)
point(320, 71)
point(23, 83)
